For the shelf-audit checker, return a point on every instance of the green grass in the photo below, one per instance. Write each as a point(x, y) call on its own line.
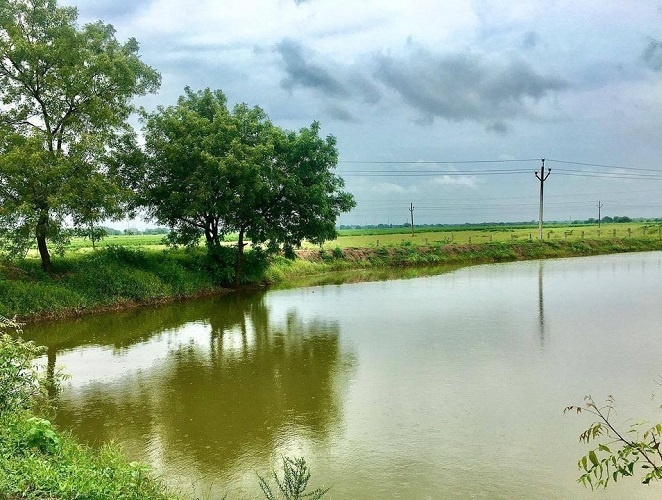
point(361, 238)
point(142, 272)
point(37, 461)
point(406, 255)
point(105, 279)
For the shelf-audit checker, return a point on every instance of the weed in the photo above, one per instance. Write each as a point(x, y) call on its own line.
point(296, 475)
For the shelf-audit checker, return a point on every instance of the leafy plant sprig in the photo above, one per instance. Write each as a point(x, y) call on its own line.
point(296, 475)
point(623, 451)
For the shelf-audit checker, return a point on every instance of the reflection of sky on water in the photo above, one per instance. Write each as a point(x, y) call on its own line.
point(105, 364)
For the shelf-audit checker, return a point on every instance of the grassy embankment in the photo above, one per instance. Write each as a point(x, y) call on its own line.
point(142, 272)
point(456, 247)
point(37, 461)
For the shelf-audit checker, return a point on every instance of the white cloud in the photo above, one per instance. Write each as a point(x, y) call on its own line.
point(456, 180)
point(385, 188)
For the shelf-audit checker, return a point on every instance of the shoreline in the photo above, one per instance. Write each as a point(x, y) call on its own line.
point(312, 267)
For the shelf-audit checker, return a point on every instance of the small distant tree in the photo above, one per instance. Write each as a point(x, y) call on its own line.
point(209, 171)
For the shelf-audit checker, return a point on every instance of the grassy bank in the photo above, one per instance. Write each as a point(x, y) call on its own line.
point(407, 255)
point(120, 277)
point(37, 461)
point(112, 278)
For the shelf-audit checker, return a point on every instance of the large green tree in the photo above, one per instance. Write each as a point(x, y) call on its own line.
point(210, 171)
point(65, 97)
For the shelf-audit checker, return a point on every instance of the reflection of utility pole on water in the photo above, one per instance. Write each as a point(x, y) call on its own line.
point(411, 209)
point(599, 205)
point(542, 177)
point(541, 305)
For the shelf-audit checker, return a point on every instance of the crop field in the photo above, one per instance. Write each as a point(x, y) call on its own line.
point(126, 240)
point(368, 238)
point(487, 234)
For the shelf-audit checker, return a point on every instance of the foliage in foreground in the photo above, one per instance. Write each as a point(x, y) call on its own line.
point(296, 475)
point(20, 383)
point(623, 453)
point(36, 461)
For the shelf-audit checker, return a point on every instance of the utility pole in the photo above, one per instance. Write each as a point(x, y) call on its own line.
point(542, 178)
point(599, 205)
point(411, 209)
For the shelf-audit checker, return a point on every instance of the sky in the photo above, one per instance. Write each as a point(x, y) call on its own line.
point(447, 106)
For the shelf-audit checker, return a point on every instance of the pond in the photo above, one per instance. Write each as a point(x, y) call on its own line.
point(447, 386)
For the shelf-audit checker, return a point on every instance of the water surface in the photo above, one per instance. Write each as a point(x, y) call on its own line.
point(450, 386)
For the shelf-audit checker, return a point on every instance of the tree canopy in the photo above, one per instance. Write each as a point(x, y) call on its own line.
point(209, 171)
point(65, 97)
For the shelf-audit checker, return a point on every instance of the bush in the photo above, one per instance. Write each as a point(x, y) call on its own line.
point(221, 260)
point(20, 383)
point(296, 475)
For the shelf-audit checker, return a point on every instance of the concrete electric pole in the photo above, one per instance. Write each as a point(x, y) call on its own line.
point(542, 178)
point(411, 209)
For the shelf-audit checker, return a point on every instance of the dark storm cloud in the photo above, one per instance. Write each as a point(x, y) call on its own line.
point(464, 86)
point(340, 113)
point(302, 73)
point(500, 128)
point(363, 87)
point(652, 55)
point(530, 40)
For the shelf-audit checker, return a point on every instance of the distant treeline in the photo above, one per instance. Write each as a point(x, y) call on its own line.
point(591, 220)
point(132, 230)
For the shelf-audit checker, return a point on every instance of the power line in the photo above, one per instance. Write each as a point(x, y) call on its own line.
point(601, 166)
point(440, 162)
point(513, 160)
point(429, 173)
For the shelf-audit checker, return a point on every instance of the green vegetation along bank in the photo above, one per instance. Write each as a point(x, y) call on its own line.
point(38, 461)
point(119, 277)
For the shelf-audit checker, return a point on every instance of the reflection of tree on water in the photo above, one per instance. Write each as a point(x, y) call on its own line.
point(123, 329)
point(256, 382)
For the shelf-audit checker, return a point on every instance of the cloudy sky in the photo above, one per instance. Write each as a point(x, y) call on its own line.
point(447, 105)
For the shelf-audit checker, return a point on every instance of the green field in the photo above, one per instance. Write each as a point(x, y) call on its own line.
point(369, 238)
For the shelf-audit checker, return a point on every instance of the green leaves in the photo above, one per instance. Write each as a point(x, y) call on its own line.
point(296, 475)
point(65, 93)
point(42, 436)
point(20, 382)
point(606, 463)
point(210, 171)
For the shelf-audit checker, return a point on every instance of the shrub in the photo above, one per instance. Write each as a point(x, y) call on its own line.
point(296, 475)
point(20, 383)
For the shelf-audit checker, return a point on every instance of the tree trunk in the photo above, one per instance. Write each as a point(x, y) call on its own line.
point(42, 227)
point(240, 258)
